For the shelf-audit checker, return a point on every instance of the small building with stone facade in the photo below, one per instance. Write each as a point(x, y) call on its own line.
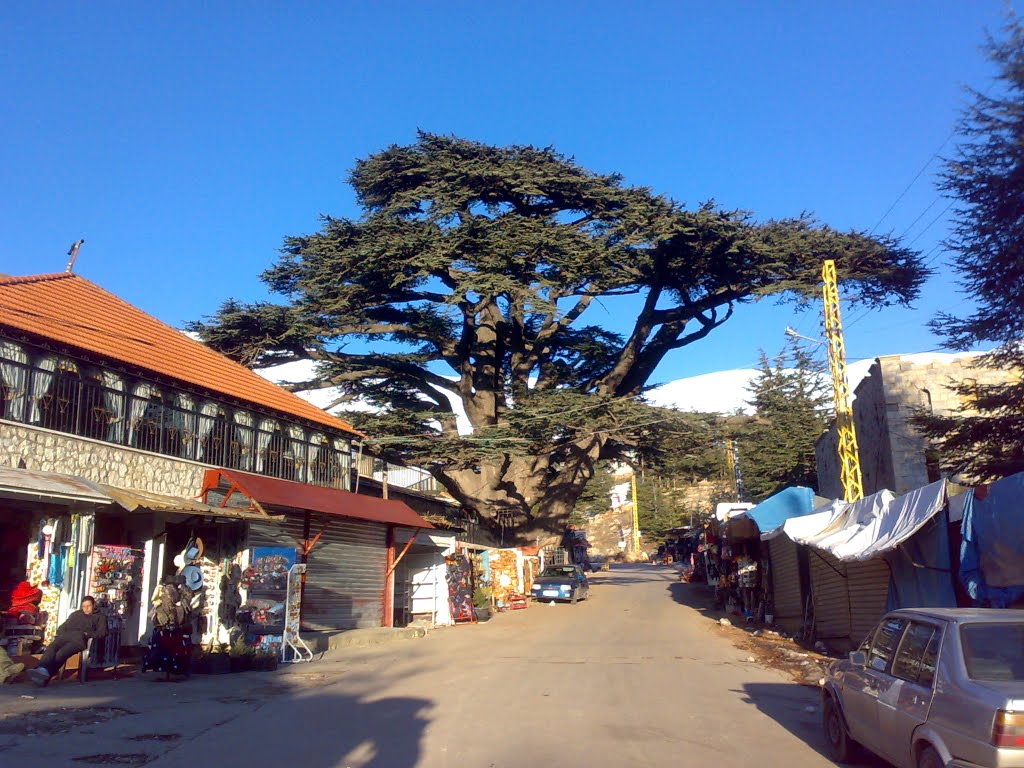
point(893, 455)
point(123, 441)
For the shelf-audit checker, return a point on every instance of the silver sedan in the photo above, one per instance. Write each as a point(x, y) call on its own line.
point(932, 688)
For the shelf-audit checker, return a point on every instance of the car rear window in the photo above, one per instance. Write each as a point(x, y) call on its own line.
point(994, 652)
point(559, 571)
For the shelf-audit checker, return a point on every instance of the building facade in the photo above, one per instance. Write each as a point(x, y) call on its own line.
point(893, 455)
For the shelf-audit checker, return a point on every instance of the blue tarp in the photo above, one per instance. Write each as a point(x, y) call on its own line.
point(992, 552)
point(775, 510)
point(921, 569)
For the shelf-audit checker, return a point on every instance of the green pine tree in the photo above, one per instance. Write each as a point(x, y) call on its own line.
point(986, 181)
point(792, 403)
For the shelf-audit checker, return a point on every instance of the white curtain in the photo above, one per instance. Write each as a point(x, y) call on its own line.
point(244, 429)
point(207, 419)
point(14, 370)
point(266, 431)
point(298, 450)
point(317, 470)
point(343, 456)
point(113, 401)
point(42, 383)
point(183, 420)
point(142, 394)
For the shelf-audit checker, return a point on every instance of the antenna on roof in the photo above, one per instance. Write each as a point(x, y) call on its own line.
point(73, 253)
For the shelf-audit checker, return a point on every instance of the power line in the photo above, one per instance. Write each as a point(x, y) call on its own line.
point(913, 181)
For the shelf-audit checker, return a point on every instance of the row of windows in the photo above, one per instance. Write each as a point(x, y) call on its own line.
point(57, 393)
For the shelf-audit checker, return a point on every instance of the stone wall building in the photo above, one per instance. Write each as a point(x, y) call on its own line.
point(892, 453)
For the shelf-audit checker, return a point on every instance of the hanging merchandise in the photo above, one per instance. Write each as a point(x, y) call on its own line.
point(292, 618)
point(170, 645)
point(458, 574)
point(114, 582)
point(262, 618)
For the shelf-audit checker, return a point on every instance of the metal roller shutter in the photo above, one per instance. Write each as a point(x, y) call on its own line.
point(786, 597)
point(345, 574)
point(831, 598)
point(868, 584)
point(344, 571)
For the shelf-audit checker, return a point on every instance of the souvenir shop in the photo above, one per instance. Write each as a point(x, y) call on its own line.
point(482, 580)
point(46, 545)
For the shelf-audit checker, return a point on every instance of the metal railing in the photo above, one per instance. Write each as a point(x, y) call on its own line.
point(413, 478)
point(43, 390)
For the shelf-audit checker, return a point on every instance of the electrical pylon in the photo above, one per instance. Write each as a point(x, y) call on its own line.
point(849, 455)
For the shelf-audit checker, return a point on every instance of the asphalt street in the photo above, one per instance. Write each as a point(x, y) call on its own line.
point(633, 676)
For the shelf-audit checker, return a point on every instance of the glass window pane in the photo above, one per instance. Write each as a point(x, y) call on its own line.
point(915, 659)
point(884, 643)
point(993, 651)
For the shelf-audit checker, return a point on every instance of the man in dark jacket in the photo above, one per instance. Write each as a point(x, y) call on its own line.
point(72, 636)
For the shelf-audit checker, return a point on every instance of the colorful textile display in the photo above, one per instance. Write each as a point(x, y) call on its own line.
point(460, 587)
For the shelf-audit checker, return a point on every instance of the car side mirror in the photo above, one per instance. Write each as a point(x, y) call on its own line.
point(858, 658)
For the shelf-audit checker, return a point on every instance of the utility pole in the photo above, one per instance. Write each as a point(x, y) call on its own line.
point(849, 455)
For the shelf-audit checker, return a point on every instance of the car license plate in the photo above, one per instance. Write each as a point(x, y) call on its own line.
point(550, 593)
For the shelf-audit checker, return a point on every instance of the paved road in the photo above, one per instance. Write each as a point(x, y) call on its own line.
point(631, 677)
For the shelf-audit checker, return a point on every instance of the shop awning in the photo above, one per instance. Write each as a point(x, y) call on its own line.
point(133, 500)
point(796, 501)
point(870, 527)
point(260, 492)
point(48, 488)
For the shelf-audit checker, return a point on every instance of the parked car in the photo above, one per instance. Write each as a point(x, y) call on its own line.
point(932, 688)
point(561, 582)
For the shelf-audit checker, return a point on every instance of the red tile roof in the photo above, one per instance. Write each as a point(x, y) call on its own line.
point(287, 493)
point(68, 309)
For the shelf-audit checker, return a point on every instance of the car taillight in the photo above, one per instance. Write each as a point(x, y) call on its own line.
point(1008, 730)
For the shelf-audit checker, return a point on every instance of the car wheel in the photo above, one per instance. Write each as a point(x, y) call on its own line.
point(837, 739)
point(928, 758)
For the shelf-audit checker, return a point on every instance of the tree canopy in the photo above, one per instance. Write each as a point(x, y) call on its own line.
point(986, 180)
point(471, 278)
point(792, 399)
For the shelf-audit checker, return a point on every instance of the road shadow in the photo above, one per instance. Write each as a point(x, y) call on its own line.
point(700, 597)
point(314, 728)
point(790, 705)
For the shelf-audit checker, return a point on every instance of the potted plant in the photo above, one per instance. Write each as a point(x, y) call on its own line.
point(264, 661)
point(241, 656)
point(210, 661)
point(482, 603)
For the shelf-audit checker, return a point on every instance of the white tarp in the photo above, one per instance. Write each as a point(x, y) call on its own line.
point(801, 528)
point(870, 527)
point(726, 510)
point(898, 521)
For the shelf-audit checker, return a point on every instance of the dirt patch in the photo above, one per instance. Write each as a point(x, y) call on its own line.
point(805, 665)
point(51, 721)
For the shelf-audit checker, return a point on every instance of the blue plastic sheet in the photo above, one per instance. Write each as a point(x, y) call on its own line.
point(992, 552)
point(921, 569)
point(775, 510)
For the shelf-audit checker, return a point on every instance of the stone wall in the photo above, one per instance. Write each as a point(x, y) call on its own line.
point(892, 454)
point(48, 451)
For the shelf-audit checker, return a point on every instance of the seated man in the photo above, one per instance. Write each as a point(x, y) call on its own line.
point(72, 636)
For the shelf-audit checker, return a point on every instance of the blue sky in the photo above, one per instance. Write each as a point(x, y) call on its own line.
point(183, 142)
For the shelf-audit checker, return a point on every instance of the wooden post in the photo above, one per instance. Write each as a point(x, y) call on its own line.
point(389, 581)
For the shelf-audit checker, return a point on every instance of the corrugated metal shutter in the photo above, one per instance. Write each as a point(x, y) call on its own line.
point(831, 598)
point(344, 571)
point(786, 597)
point(868, 584)
point(345, 574)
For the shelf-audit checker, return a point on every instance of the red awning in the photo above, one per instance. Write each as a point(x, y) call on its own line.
point(264, 491)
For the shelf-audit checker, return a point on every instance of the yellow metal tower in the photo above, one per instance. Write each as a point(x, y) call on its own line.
point(849, 455)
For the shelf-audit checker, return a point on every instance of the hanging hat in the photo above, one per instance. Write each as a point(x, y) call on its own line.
point(193, 550)
point(193, 577)
point(179, 561)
